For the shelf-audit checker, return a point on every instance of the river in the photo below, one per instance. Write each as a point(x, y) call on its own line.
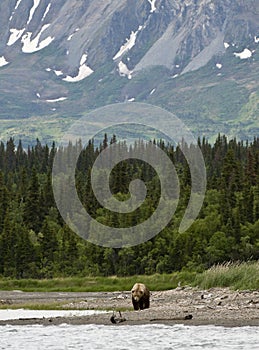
point(127, 337)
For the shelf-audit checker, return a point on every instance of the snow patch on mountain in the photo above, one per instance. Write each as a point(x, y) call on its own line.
point(32, 10)
point(34, 45)
point(46, 12)
point(124, 71)
point(83, 59)
point(83, 72)
point(14, 36)
point(58, 72)
point(128, 44)
point(3, 61)
point(60, 99)
point(71, 35)
point(16, 6)
point(153, 5)
point(246, 53)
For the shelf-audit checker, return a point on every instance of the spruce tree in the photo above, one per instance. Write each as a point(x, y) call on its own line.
point(32, 210)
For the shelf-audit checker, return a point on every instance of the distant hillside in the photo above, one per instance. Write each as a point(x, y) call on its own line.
point(196, 58)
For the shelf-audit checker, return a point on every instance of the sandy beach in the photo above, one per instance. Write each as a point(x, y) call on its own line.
point(184, 305)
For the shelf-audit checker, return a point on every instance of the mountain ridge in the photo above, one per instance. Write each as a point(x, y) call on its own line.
point(59, 60)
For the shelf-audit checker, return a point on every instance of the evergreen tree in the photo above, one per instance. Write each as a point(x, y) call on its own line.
point(3, 201)
point(32, 210)
point(10, 157)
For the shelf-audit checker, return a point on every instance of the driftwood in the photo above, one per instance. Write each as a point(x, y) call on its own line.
point(187, 317)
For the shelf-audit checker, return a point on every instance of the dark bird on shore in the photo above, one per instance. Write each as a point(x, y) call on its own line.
point(115, 319)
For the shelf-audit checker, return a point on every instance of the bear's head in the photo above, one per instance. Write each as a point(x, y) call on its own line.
point(138, 291)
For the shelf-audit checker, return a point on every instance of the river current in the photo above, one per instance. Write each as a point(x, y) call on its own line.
point(127, 337)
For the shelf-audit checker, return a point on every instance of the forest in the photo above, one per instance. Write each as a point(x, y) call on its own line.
point(35, 242)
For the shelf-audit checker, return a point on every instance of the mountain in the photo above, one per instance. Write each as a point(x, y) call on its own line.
point(195, 58)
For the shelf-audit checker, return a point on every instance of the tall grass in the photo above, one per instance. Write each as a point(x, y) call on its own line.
point(234, 275)
point(89, 284)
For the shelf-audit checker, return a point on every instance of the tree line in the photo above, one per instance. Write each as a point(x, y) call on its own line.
point(35, 242)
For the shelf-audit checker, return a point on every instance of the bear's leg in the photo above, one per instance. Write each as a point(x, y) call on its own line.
point(141, 304)
point(135, 304)
point(146, 303)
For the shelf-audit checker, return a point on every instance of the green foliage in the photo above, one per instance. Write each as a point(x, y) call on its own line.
point(234, 275)
point(36, 243)
point(240, 276)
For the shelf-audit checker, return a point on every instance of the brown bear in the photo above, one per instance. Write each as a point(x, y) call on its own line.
point(140, 296)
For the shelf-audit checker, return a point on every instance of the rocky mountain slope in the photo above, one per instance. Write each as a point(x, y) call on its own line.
point(196, 58)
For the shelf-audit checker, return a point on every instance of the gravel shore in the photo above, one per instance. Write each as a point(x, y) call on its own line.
point(185, 305)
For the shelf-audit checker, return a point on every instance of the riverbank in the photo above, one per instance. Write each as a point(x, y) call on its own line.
point(185, 305)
